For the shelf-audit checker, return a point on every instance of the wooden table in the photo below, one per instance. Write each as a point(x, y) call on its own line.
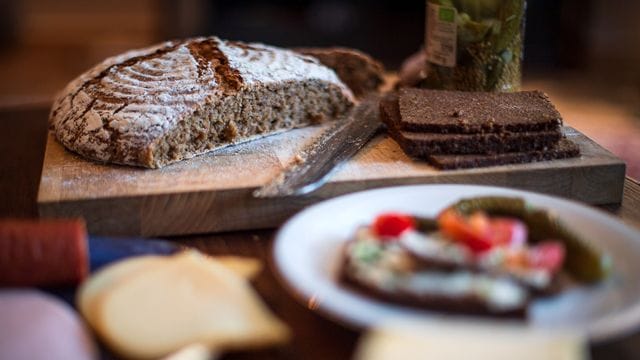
point(22, 138)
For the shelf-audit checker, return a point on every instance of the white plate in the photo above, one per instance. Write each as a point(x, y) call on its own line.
point(307, 253)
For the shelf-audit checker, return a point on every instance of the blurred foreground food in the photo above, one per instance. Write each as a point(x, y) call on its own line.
point(151, 306)
point(38, 326)
point(478, 341)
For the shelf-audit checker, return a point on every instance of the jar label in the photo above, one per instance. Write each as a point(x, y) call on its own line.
point(441, 35)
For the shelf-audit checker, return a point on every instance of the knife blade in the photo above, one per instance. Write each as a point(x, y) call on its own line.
point(322, 157)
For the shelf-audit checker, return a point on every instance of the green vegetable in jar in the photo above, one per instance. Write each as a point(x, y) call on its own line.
point(475, 45)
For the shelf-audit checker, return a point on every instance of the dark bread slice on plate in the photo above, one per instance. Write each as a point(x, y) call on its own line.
point(555, 284)
point(459, 304)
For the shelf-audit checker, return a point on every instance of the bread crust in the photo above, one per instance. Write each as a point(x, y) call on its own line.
point(361, 72)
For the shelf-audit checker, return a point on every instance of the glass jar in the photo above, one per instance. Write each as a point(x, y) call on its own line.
point(474, 45)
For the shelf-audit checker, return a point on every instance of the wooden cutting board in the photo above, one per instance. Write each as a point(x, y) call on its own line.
point(212, 193)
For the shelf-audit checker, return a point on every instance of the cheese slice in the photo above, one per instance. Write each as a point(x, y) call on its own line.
point(102, 282)
point(187, 299)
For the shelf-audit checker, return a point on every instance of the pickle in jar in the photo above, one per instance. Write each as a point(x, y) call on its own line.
point(487, 45)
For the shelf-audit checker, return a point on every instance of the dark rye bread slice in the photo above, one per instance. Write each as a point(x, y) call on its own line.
point(359, 71)
point(444, 111)
point(422, 144)
point(556, 285)
point(564, 149)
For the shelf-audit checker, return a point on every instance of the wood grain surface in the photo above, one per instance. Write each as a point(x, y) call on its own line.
point(212, 193)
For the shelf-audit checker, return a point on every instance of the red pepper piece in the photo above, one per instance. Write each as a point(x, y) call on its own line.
point(473, 234)
point(391, 225)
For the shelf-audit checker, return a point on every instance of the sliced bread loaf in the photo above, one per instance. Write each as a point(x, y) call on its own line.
point(179, 99)
point(523, 127)
point(421, 144)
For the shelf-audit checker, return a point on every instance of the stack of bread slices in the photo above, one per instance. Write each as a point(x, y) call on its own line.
point(454, 130)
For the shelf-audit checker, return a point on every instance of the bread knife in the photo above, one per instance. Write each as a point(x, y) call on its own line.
point(323, 156)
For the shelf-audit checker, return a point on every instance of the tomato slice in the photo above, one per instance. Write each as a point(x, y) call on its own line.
point(508, 232)
point(547, 255)
point(472, 233)
point(393, 224)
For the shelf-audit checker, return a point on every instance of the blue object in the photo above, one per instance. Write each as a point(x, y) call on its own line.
point(103, 251)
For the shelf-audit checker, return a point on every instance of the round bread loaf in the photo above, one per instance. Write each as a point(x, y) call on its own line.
point(179, 99)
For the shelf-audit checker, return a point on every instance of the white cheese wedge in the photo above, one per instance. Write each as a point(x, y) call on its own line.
point(101, 282)
point(187, 299)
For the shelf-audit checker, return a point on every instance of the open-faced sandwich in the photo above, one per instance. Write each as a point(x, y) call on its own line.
point(486, 256)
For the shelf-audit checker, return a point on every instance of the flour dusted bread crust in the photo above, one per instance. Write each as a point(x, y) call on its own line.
point(179, 99)
point(362, 73)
